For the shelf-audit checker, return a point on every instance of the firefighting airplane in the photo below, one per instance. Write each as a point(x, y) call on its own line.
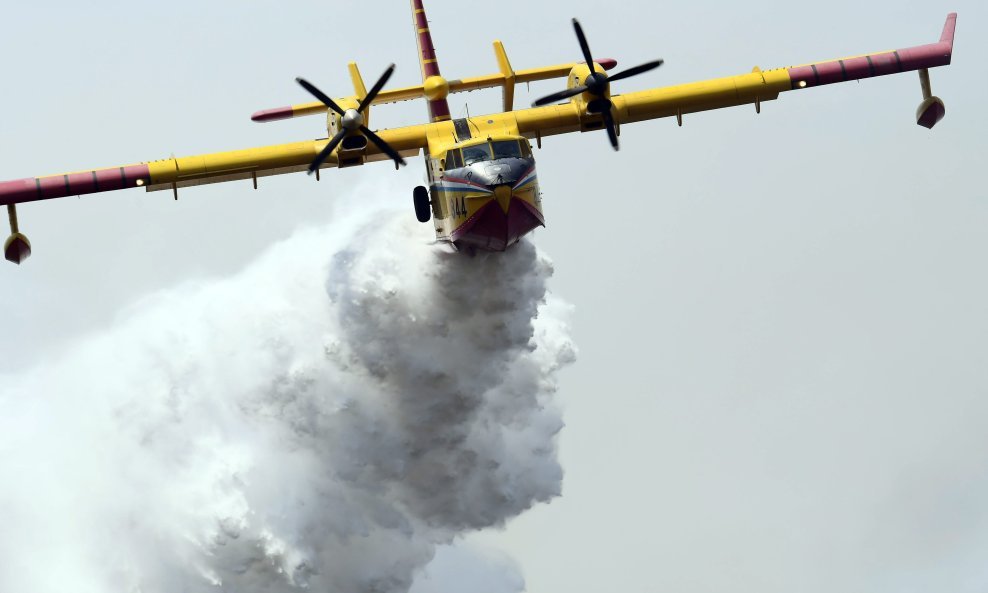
point(483, 191)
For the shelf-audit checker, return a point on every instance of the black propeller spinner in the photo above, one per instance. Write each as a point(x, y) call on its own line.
point(352, 120)
point(596, 86)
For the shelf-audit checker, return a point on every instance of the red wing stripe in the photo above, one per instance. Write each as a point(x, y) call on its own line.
point(60, 186)
point(903, 60)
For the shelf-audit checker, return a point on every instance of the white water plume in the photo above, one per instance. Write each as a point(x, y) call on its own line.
point(322, 420)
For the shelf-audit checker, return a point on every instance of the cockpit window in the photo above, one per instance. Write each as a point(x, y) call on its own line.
point(507, 149)
point(476, 154)
point(526, 149)
point(453, 160)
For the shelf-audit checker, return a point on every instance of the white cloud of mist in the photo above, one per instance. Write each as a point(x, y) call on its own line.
point(470, 566)
point(324, 419)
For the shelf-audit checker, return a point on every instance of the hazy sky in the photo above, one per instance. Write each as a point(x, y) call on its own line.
point(782, 318)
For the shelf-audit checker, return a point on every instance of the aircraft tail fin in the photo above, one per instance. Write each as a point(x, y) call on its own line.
point(435, 86)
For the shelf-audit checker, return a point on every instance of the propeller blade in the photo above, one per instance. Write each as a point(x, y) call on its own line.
point(377, 88)
point(609, 124)
point(320, 95)
point(636, 70)
point(583, 43)
point(384, 146)
point(560, 95)
point(330, 147)
point(596, 86)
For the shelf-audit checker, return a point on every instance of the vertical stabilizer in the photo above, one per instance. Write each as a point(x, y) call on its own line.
point(436, 87)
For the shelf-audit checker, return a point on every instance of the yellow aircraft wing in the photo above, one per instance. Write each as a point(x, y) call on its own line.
point(753, 88)
point(178, 172)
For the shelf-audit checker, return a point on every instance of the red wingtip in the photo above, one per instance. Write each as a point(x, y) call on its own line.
point(273, 114)
point(948, 29)
point(606, 63)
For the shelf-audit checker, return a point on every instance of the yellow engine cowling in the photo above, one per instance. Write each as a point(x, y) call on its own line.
point(353, 150)
point(577, 77)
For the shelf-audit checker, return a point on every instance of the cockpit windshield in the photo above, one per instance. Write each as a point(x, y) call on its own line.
point(507, 149)
point(476, 154)
point(453, 159)
point(487, 151)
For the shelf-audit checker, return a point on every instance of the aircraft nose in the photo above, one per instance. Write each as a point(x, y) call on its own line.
point(502, 193)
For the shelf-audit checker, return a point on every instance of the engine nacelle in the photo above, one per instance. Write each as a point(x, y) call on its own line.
point(578, 76)
point(353, 148)
point(589, 105)
point(352, 151)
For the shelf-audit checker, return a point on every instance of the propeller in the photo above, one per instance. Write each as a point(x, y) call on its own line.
point(596, 85)
point(352, 120)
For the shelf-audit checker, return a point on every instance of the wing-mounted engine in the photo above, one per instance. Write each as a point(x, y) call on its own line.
point(591, 90)
point(353, 148)
point(591, 106)
point(347, 124)
point(578, 77)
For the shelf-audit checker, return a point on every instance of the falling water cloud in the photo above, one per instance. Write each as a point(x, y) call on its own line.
point(323, 420)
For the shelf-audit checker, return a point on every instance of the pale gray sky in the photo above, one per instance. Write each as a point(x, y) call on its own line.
point(781, 318)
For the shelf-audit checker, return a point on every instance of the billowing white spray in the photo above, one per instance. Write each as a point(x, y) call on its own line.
point(322, 420)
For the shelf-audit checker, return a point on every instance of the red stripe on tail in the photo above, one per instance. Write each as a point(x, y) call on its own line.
point(438, 109)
